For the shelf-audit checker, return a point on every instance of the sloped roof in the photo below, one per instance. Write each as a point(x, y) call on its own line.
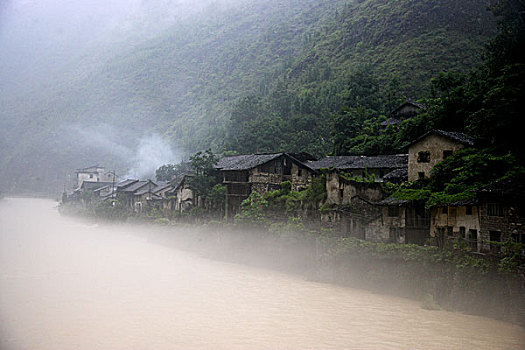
point(245, 161)
point(154, 190)
point(146, 187)
point(452, 135)
point(93, 185)
point(463, 202)
point(411, 103)
point(161, 186)
point(135, 186)
point(390, 121)
point(102, 188)
point(361, 162)
point(400, 173)
point(125, 183)
point(391, 201)
point(178, 181)
point(513, 187)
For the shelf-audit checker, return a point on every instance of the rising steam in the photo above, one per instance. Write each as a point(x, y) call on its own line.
point(142, 159)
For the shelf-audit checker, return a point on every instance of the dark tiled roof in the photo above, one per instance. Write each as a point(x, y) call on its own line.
point(93, 185)
point(102, 188)
point(393, 201)
point(125, 183)
point(512, 188)
point(452, 135)
point(147, 187)
point(415, 104)
point(135, 186)
point(160, 187)
point(361, 162)
point(464, 202)
point(246, 161)
point(400, 173)
point(177, 182)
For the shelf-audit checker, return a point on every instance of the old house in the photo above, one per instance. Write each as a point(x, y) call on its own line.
point(105, 192)
point(162, 190)
point(350, 220)
point(502, 212)
point(261, 173)
point(459, 220)
point(354, 187)
point(398, 221)
point(431, 148)
point(89, 192)
point(94, 173)
point(180, 196)
point(148, 197)
point(405, 111)
point(127, 189)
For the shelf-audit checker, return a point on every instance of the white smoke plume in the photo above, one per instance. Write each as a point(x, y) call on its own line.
point(141, 160)
point(152, 152)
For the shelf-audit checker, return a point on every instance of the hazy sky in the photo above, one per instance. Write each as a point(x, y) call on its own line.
point(37, 36)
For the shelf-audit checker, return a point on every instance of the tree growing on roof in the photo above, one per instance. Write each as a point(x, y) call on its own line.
point(169, 171)
point(205, 179)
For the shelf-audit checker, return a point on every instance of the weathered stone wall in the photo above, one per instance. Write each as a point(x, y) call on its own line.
point(387, 228)
point(377, 173)
point(510, 223)
point(81, 177)
point(457, 217)
point(302, 181)
point(435, 145)
point(341, 191)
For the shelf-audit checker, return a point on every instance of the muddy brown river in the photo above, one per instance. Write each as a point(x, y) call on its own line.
point(66, 284)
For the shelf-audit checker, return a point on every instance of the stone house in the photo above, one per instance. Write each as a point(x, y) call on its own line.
point(126, 190)
point(89, 191)
point(162, 190)
point(354, 193)
point(105, 192)
point(502, 212)
point(350, 220)
point(261, 173)
point(405, 111)
point(150, 196)
point(459, 220)
point(341, 190)
point(400, 221)
point(180, 196)
point(431, 148)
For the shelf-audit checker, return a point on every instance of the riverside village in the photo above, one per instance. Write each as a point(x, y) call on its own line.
point(388, 207)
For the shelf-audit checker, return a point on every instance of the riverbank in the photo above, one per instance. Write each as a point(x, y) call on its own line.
point(452, 278)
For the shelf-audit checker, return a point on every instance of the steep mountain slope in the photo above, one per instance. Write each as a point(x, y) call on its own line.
point(185, 82)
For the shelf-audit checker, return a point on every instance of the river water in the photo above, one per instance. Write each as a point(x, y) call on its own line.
point(65, 284)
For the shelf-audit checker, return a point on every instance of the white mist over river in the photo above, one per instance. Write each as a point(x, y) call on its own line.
point(65, 284)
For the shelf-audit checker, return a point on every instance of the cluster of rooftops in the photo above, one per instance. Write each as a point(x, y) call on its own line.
point(248, 173)
point(395, 166)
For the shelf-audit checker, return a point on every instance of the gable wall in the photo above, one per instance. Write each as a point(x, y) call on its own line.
point(435, 145)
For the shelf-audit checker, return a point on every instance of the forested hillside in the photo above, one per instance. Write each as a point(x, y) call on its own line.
point(255, 76)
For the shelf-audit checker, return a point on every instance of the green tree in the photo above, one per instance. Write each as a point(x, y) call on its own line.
point(205, 175)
